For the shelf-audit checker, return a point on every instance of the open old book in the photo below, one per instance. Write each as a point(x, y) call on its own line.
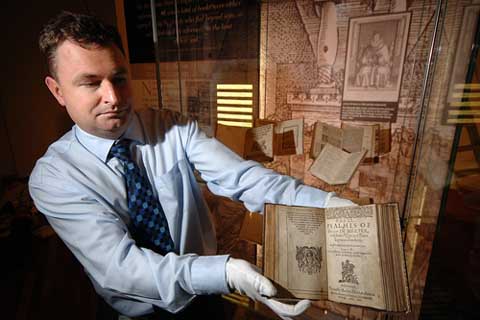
point(335, 166)
point(350, 138)
point(351, 255)
point(265, 140)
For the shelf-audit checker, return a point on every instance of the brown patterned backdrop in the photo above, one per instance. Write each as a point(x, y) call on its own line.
point(290, 81)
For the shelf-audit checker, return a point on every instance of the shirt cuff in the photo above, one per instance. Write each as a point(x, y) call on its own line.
point(329, 196)
point(208, 275)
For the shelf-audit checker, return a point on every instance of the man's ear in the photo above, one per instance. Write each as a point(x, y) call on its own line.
point(55, 89)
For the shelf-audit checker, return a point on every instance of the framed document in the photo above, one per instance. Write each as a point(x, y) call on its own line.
point(374, 65)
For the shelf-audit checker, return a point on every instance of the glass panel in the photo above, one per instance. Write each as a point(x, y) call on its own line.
point(205, 44)
point(200, 44)
point(448, 174)
point(313, 60)
point(452, 288)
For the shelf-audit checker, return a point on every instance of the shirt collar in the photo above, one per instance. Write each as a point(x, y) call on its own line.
point(100, 147)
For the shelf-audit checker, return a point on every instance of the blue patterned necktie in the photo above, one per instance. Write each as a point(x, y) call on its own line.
point(149, 225)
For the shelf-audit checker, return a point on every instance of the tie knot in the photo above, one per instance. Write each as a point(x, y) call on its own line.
point(121, 150)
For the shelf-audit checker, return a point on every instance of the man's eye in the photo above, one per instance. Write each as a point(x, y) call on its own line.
point(91, 84)
point(119, 81)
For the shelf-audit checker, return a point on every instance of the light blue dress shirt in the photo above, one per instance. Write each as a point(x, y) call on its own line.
point(84, 198)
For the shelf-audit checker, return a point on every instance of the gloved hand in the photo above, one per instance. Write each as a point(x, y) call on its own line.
point(246, 279)
point(334, 201)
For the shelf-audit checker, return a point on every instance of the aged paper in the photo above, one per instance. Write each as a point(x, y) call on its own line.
point(301, 235)
point(296, 127)
point(353, 256)
point(324, 133)
point(354, 139)
point(350, 255)
point(374, 65)
point(264, 137)
point(335, 166)
point(259, 143)
point(351, 138)
point(264, 142)
point(284, 143)
point(366, 139)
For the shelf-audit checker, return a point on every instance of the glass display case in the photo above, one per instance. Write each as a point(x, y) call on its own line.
point(409, 68)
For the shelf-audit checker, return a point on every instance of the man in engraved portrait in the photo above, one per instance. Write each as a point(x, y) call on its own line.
point(374, 64)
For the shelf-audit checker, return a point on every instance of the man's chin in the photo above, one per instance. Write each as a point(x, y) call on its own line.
point(114, 128)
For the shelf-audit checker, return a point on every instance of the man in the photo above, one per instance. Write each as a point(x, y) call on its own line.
point(374, 64)
point(119, 188)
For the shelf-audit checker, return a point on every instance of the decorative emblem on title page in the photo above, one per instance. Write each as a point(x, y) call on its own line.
point(348, 274)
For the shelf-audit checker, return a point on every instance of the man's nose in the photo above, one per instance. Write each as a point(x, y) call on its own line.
point(110, 94)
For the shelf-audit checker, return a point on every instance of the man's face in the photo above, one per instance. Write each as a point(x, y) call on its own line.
point(94, 86)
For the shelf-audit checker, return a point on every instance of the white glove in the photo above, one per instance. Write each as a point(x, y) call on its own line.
point(246, 279)
point(334, 201)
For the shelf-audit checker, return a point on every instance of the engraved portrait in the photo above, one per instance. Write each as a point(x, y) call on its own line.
point(375, 56)
point(309, 259)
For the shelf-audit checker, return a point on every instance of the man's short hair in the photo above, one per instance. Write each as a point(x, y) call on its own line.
point(85, 30)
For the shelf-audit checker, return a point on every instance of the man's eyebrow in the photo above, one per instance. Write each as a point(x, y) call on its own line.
point(91, 76)
point(120, 71)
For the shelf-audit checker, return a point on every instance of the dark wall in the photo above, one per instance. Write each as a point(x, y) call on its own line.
point(30, 118)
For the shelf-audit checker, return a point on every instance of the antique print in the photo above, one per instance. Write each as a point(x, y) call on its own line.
point(348, 273)
point(309, 259)
point(375, 55)
point(319, 19)
point(196, 99)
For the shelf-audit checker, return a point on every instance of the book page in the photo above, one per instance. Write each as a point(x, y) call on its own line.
point(392, 257)
point(353, 138)
point(323, 134)
point(369, 137)
point(335, 166)
point(296, 126)
point(259, 142)
point(301, 267)
point(264, 137)
point(353, 262)
point(369, 140)
point(284, 143)
point(366, 134)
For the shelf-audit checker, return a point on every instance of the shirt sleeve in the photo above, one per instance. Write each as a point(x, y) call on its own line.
point(130, 278)
point(229, 175)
